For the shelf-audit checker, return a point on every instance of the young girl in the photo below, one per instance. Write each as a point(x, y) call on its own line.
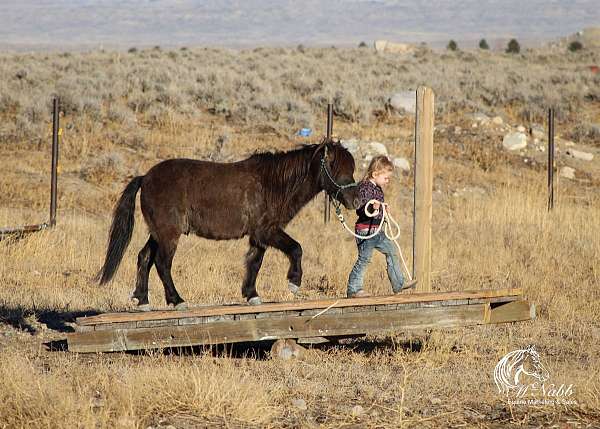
point(371, 188)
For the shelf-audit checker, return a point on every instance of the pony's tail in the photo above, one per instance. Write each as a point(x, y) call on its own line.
point(120, 230)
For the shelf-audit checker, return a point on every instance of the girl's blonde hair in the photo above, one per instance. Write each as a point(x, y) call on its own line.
point(378, 164)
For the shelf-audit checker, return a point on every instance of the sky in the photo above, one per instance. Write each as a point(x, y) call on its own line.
point(60, 24)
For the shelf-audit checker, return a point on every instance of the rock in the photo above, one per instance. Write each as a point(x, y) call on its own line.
point(590, 37)
point(537, 132)
point(478, 117)
point(567, 172)
point(287, 349)
point(351, 144)
point(436, 401)
point(404, 101)
point(474, 125)
point(378, 148)
point(299, 403)
point(514, 141)
point(357, 411)
point(521, 129)
point(392, 47)
point(457, 129)
point(568, 143)
point(577, 154)
point(497, 120)
point(402, 164)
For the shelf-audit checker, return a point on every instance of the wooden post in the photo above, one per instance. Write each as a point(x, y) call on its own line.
point(550, 159)
point(329, 132)
point(423, 189)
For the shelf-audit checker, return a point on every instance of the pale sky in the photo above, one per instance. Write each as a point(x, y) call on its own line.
point(125, 23)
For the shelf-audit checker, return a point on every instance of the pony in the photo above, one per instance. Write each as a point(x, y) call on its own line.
point(256, 197)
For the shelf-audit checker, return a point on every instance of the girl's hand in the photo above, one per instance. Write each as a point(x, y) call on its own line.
point(376, 205)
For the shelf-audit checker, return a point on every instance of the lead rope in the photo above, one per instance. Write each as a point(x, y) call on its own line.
point(387, 219)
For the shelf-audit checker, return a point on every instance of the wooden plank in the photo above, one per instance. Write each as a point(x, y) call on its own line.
point(295, 306)
point(268, 329)
point(514, 311)
point(423, 189)
point(121, 325)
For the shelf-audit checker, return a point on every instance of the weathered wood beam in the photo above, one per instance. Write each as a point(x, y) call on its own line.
point(325, 325)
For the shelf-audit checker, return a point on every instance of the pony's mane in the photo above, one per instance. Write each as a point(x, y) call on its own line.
point(284, 172)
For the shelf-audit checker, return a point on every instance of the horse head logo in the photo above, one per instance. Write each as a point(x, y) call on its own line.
point(516, 364)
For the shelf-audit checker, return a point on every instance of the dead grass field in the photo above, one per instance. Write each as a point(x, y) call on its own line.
point(499, 237)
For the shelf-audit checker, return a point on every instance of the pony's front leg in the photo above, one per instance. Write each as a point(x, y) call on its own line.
point(254, 259)
point(280, 240)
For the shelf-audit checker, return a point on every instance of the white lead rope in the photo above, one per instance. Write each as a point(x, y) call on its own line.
point(388, 220)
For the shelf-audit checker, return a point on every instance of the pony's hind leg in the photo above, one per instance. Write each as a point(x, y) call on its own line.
point(254, 259)
point(145, 261)
point(164, 260)
point(282, 241)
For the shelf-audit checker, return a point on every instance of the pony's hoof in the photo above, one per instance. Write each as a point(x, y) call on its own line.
point(293, 288)
point(144, 307)
point(182, 306)
point(255, 301)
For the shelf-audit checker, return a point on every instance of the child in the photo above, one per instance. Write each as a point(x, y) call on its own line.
point(378, 175)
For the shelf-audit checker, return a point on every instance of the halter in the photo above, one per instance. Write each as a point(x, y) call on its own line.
point(337, 186)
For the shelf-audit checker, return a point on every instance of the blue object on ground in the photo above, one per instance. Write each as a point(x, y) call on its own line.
point(305, 132)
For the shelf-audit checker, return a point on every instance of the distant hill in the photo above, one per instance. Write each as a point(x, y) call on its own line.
point(34, 24)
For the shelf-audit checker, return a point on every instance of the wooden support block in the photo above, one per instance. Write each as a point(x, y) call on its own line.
point(514, 311)
point(361, 309)
point(156, 323)
point(455, 302)
point(272, 314)
point(122, 325)
point(191, 320)
point(245, 316)
point(219, 318)
point(315, 311)
point(387, 307)
point(408, 305)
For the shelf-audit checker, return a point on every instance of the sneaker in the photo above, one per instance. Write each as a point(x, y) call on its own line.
point(359, 294)
point(410, 285)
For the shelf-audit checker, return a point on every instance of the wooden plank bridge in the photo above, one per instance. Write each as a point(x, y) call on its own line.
point(305, 321)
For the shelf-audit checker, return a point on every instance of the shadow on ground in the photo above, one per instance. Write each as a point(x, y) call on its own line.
point(31, 320)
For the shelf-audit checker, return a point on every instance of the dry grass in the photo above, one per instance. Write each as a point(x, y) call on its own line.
point(505, 240)
point(502, 237)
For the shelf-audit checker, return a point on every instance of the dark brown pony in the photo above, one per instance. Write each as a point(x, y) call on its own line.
point(256, 197)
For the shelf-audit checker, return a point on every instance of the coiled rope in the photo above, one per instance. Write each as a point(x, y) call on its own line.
point(387, 220)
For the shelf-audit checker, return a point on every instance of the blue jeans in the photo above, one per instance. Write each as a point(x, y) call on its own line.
point(365, 251)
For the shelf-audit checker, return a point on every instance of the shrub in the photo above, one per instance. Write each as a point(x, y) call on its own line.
point(452, 46)
point(483, 44)
point(513, 47)
point(362, 45)
point(575, 46)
